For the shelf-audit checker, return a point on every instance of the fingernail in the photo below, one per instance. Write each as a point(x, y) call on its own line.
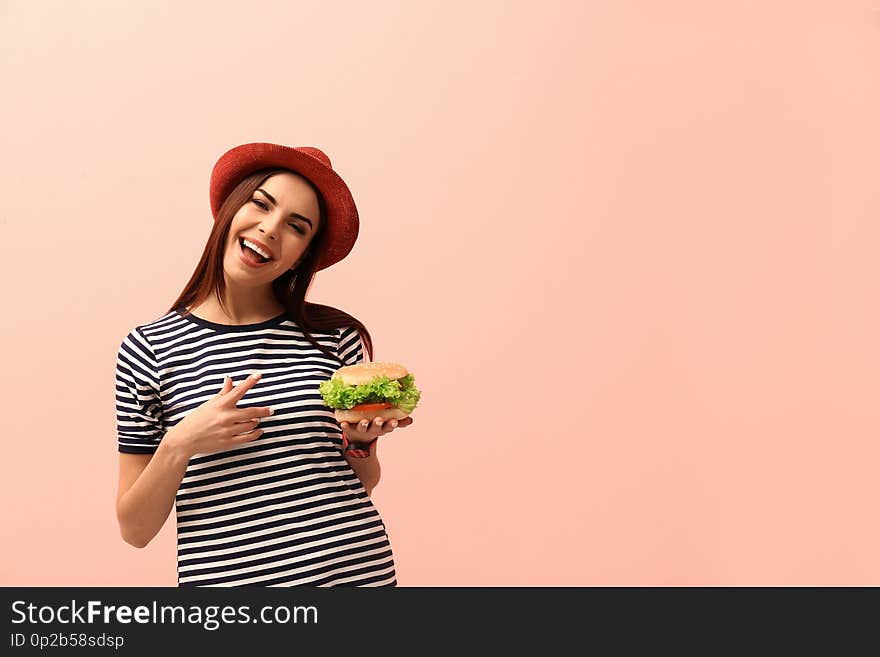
point(393, 423)
point(255, 375)
point(271, 411)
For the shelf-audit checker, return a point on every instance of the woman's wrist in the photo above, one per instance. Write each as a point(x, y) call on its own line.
point(357, 448)
point(174, 443)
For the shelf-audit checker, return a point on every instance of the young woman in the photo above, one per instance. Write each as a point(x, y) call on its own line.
point(266, 489)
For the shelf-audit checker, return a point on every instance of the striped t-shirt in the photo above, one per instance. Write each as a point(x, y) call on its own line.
point(284, 509)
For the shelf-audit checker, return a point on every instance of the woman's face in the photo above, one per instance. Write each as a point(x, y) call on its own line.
point(281, 217)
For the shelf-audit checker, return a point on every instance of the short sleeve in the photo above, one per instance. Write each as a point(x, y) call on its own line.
point(139, 421)
point(351, 347)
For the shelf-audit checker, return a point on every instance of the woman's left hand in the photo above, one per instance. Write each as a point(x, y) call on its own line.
point(366, 432)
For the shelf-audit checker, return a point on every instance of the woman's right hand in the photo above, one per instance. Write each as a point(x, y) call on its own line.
point(218, 424)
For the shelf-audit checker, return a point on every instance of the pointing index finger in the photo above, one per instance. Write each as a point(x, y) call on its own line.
point(240, 389)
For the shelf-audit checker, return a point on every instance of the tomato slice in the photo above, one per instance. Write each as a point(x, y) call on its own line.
point(371, 407)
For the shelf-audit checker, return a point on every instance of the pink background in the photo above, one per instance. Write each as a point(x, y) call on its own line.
point(628, 249)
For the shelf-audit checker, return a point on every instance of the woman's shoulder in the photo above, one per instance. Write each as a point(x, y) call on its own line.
point(144, 330)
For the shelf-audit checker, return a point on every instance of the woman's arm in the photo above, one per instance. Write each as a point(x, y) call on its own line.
point(147, 488)
point(367, 469)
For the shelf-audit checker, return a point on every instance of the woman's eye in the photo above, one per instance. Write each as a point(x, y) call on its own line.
point(265, 207)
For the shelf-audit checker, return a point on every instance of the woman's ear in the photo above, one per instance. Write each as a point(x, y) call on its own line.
point(299, 260)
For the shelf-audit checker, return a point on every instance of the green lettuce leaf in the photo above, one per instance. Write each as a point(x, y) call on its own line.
point(401, 393)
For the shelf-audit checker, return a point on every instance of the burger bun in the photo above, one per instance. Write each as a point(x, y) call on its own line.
point(353, 416)
point(356, 375)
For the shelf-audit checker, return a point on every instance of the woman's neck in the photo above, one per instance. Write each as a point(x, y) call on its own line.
point(243, 313)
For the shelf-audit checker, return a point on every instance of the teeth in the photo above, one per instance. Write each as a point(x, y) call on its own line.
point(256, 248)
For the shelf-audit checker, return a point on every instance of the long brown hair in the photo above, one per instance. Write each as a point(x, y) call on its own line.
point(290, 287)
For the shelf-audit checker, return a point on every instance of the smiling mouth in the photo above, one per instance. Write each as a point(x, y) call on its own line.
point(250, 252)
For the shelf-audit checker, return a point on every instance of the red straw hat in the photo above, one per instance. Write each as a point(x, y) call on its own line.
point(342, 217)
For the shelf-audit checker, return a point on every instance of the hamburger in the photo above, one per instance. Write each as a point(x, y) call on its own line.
point(369, 390)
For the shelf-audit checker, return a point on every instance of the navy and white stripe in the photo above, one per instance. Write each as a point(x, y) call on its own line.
point(285, 509)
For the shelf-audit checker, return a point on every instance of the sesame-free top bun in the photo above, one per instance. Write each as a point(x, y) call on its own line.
point(356, 375)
